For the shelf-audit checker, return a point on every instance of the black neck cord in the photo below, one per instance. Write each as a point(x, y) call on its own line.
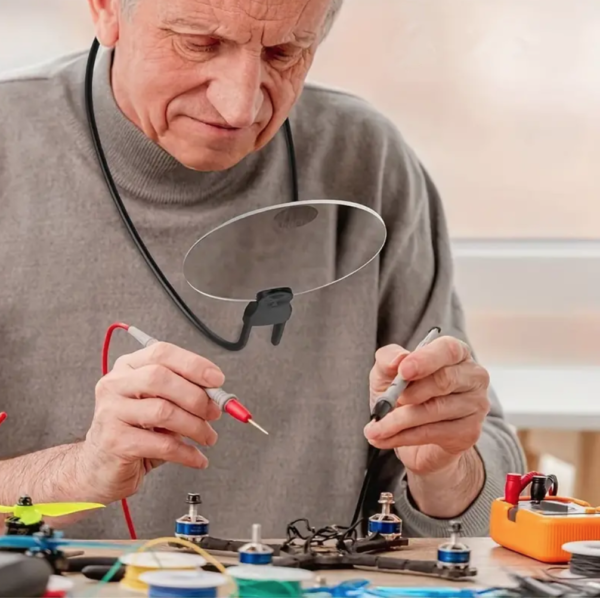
point(177, 300)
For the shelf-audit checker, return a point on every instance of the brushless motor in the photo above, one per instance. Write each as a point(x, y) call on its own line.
point(454, 554)
point(192, 526)
point(386, 523)
point(255, 552)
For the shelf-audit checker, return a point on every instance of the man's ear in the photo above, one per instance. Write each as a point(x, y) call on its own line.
point(105, 14)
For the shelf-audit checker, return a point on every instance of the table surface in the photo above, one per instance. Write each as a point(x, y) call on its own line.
point(490, 560)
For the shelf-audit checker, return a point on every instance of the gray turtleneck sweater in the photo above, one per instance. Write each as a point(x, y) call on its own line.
point(69, 269)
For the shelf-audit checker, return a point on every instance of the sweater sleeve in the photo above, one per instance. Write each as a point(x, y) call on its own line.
point(416, 293)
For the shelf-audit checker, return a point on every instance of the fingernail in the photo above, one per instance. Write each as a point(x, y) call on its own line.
point(398, 357)
point(204, 463)
point(214, 377)
point(408, 369)
point(370, 430)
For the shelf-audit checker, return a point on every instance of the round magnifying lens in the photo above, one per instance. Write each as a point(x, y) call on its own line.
point(302, 246)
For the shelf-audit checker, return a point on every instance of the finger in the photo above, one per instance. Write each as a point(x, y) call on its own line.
point(142, 444)
point(440, 353)
point(452, 436)
point(465, 377)
point(159, 381)
point(385, 368)
point(438, 409)
point(159, 413)
point(189, 365)
point(151, 464)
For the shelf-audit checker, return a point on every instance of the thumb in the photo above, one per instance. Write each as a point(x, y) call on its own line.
point(385, 369)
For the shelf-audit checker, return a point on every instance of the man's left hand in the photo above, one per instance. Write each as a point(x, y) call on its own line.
point(440, 414)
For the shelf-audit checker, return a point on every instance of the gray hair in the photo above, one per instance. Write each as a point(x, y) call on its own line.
point(336, 5)
point(334, 10)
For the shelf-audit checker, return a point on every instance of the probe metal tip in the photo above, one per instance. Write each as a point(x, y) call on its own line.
point(250, 421)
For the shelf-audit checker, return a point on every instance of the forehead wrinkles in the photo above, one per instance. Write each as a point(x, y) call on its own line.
point(268, 22)
point(273, 21)
point(268, 11)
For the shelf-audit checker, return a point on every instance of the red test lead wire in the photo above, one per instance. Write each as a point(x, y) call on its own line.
point(105, 369)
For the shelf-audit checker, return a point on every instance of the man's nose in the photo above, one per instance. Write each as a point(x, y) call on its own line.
point(236, 91)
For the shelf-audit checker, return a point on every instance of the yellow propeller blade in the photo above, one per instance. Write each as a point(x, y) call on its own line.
point(28, 515)
point(6, 509)
point(65, 508)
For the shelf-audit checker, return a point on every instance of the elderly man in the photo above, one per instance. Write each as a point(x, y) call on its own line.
point(190, 99)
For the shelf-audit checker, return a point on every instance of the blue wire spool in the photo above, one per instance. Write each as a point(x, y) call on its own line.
point(183, 584)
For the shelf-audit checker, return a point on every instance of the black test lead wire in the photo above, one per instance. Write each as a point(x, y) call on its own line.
point(385, 404)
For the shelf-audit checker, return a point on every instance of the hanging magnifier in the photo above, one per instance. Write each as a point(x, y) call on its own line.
point(287, 250)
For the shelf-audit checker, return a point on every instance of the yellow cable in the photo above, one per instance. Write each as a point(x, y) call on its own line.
point(211, 559)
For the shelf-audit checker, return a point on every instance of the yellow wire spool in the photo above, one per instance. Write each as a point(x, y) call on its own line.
point(140, 562)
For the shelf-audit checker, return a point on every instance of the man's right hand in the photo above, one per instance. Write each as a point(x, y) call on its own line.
point(145, 407)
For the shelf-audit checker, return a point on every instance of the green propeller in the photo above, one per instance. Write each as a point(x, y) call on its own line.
point(30, 514)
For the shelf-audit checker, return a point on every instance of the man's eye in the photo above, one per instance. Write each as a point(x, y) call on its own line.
point(279, 53)
point(200, 46)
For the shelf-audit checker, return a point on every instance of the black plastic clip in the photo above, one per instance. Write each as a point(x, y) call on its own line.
point(271, 308)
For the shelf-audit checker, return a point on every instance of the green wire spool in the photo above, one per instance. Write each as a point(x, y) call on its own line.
point(268, 589)
point(267, 581)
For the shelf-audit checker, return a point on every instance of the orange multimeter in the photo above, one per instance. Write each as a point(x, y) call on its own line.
point(539, 525)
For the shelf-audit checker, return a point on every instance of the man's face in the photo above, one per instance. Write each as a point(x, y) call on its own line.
point(213, 80)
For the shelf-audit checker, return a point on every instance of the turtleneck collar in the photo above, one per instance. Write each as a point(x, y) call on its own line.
point(142, 169)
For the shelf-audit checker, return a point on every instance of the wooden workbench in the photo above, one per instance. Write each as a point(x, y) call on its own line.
point(489, 559)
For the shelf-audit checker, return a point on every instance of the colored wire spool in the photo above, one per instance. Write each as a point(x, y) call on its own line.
point(585, 559)
point(139, 563)
point(267, 581)
point(167, 540)
point(183, 584)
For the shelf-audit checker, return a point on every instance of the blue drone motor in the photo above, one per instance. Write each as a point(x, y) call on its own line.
point(255, 552)
point(386, 523)
point(192, 527)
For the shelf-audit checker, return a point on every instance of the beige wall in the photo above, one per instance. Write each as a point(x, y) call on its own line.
point(501, 98)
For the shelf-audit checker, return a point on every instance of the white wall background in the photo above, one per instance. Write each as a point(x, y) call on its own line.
point(500, 98)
